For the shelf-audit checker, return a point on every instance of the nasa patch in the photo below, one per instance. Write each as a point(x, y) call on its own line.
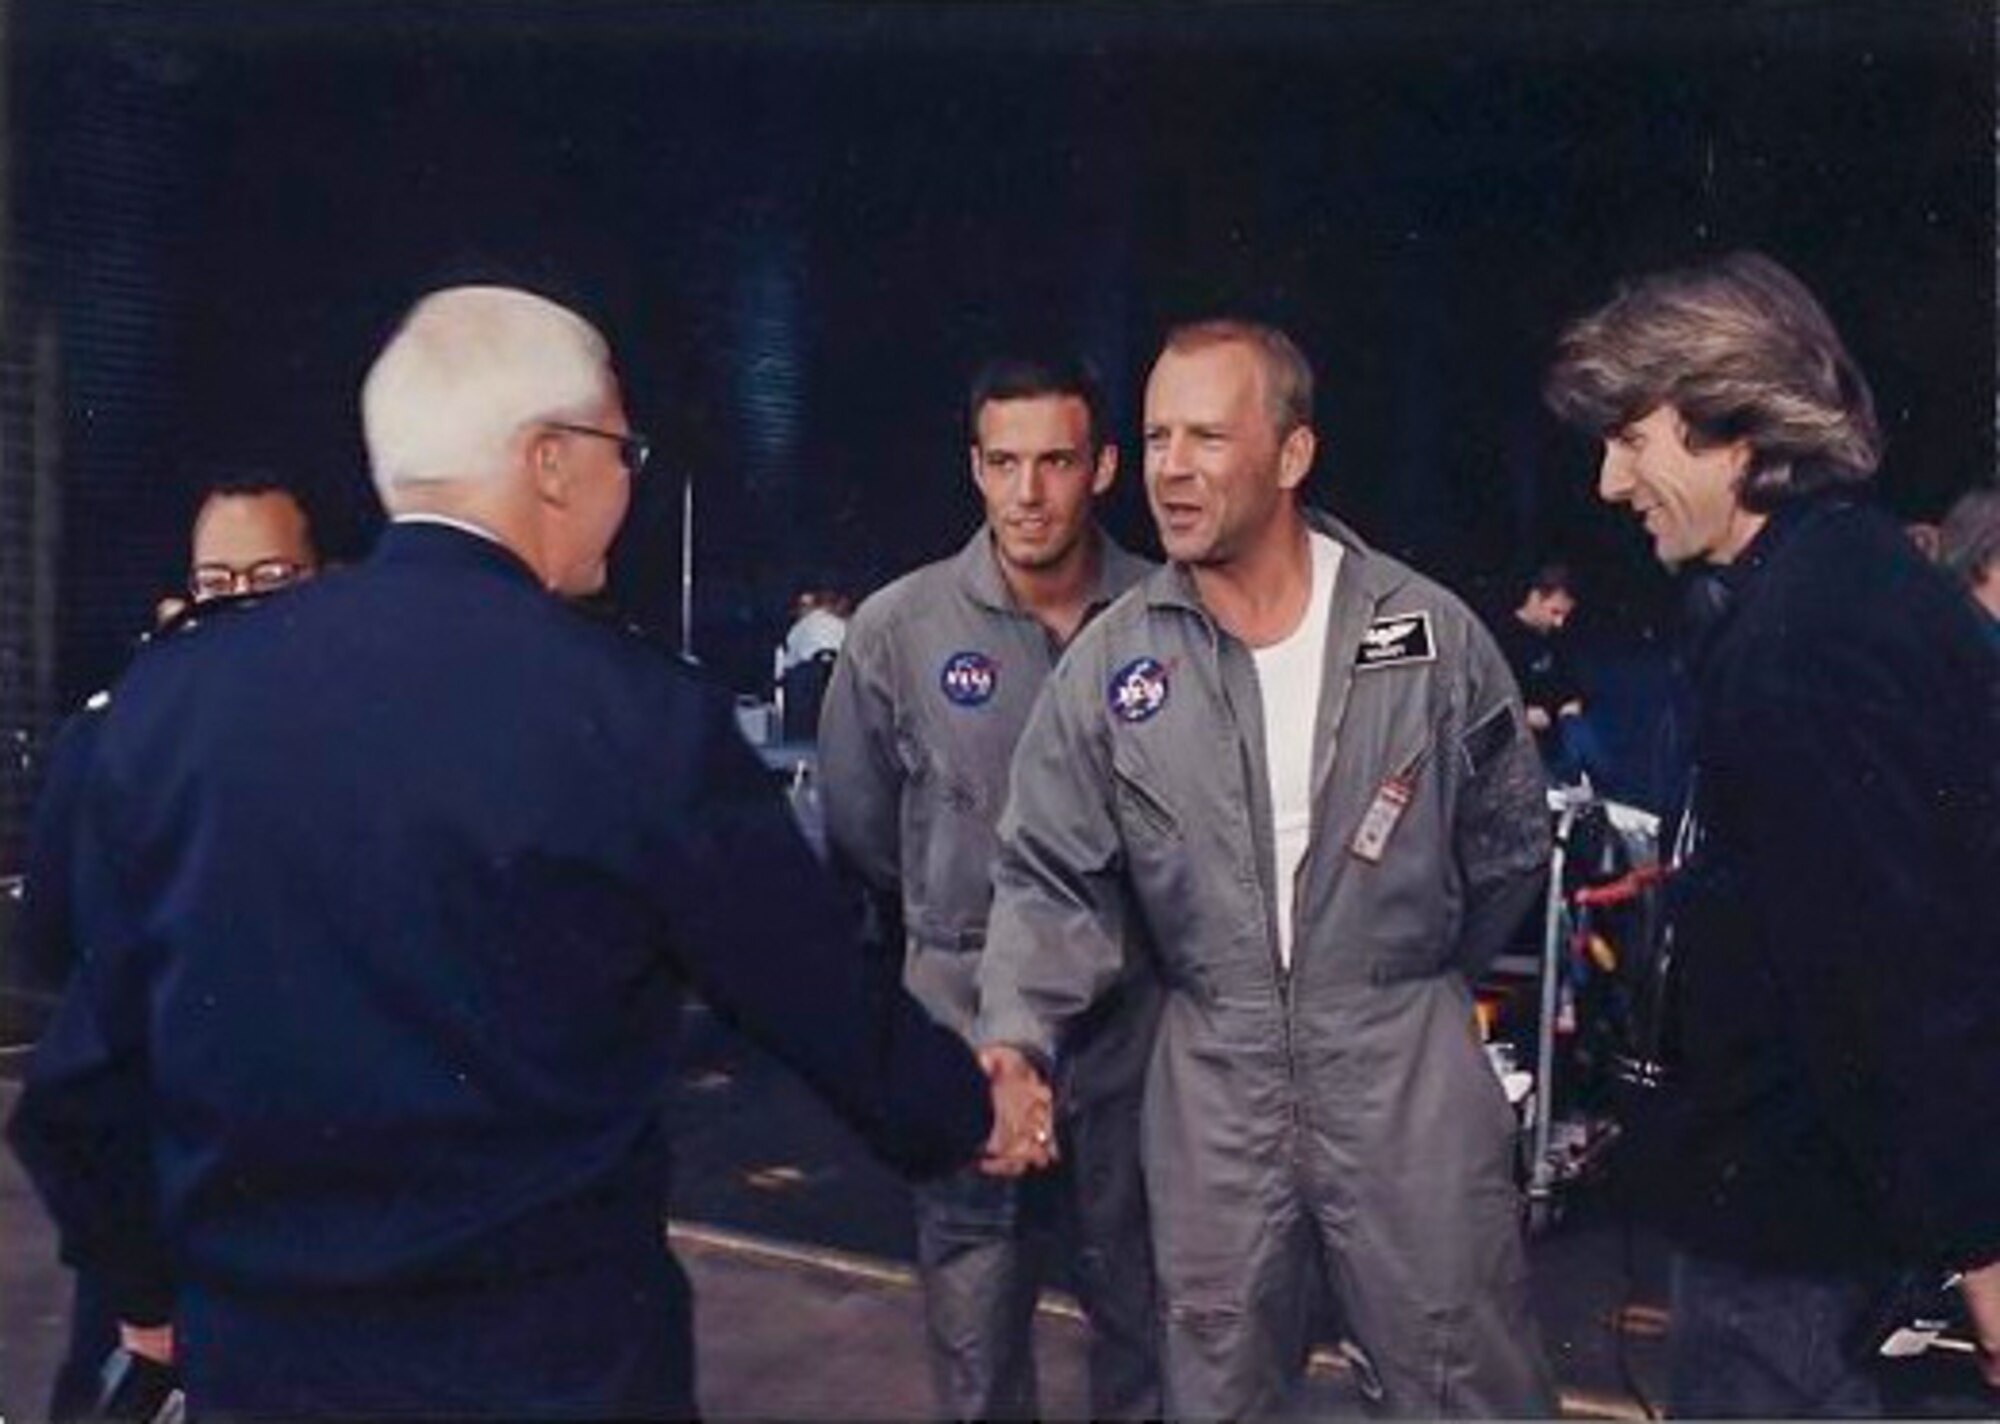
point(969, 679)
point(1138, 690)
point(1397, 639)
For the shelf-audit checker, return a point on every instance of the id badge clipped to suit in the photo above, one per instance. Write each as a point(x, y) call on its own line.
point(1385, 811)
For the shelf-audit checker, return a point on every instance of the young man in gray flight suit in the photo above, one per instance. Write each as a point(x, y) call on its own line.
point(935, 681)
point(1303, 769)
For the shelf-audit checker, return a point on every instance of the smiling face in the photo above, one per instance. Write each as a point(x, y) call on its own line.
point(1037, 476)
point(1218, 472)
point(1686, 498)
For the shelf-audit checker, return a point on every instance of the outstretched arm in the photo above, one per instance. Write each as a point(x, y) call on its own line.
point(1055, 941)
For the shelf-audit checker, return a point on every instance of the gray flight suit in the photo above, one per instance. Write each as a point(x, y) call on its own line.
point(1342, 1106)
point(928, 697)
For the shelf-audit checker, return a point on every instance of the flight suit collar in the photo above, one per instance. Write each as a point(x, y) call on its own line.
point(1366, 578)
point(978, 571)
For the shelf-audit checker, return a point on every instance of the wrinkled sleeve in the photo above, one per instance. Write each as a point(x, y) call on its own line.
point(82, 1127)
point(786, 964)
point(1500, 830)
point(861, 779)
point(1056, 939)
point(1874, 856)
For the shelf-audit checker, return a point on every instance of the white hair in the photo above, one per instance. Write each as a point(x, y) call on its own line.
point(468, 367)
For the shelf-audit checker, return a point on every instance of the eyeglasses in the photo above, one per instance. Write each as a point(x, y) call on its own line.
point(264, 576)
point(633, 448)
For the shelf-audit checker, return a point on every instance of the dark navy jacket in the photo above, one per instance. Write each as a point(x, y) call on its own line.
point(388, 894)
point(47, 933)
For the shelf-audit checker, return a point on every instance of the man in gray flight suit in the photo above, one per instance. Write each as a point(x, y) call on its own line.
point(935, 681)
point(1303, 770)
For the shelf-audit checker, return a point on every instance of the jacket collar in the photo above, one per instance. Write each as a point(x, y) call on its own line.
point(440, 545)
point(1743, 572)
point(1713, 596)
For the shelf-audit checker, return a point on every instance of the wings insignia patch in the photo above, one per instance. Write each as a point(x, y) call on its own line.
point(1397, 639)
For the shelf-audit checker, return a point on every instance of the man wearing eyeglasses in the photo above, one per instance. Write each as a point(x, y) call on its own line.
point(392, 902)
point(250, 536)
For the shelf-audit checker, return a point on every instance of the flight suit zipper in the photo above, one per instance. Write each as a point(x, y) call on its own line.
point(1267, 897)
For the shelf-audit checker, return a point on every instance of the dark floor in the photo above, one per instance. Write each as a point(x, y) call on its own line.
point(799, 1243)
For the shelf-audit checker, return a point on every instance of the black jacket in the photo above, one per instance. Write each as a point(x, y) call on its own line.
point(1838, 928)
point(388, 895)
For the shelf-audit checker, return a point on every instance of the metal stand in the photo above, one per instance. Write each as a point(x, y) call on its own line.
point(1549, 1172)
point(687, 565)
point(1541, 1170)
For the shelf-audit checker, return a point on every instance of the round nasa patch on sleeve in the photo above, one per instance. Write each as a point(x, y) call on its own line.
point(1138, 690)
point(969, 679)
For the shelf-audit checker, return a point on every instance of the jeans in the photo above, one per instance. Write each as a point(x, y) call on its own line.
point(1752, 1343)
point(1572, 750)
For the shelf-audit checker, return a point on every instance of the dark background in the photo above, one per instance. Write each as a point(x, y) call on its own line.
point(802, 226)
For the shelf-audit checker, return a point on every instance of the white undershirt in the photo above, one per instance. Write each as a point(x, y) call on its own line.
point(1289, 674)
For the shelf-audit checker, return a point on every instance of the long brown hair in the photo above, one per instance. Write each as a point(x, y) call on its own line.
point(1742, 351)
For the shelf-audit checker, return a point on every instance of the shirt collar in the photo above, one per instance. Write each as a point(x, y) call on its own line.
point(464, 526)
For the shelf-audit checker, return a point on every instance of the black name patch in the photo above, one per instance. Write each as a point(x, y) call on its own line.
point(1397, 639)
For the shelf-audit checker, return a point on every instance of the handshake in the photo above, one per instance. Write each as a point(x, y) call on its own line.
point(1024, 1135)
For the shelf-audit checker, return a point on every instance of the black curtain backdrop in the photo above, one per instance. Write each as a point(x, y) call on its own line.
point(803, 226)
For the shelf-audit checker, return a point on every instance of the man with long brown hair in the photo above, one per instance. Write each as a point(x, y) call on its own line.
point(1829, 1114)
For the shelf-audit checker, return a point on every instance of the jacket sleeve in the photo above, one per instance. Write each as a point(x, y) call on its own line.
point(1500, 828)
point(860, 775)
point(47, 919)
point(1873, 801)
point(786, 964)
point(1056, 938)
point(81, 1127)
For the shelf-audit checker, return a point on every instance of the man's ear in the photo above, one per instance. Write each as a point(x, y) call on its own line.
point(547, 469)
point(972, 461)
point(1107, 469)
point(1295, 456)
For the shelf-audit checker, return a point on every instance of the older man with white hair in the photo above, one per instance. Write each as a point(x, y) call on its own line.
point(390, 904)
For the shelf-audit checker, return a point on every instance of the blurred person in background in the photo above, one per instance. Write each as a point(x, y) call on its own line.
point(1534, 642)
point(250, 537)
point(1969, 547)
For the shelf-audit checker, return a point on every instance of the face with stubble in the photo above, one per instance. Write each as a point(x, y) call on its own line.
point(1037, 474)
point(1219, 471)
point(1685, 496)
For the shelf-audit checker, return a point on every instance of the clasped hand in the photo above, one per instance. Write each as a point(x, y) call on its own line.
point(1023, 1137)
